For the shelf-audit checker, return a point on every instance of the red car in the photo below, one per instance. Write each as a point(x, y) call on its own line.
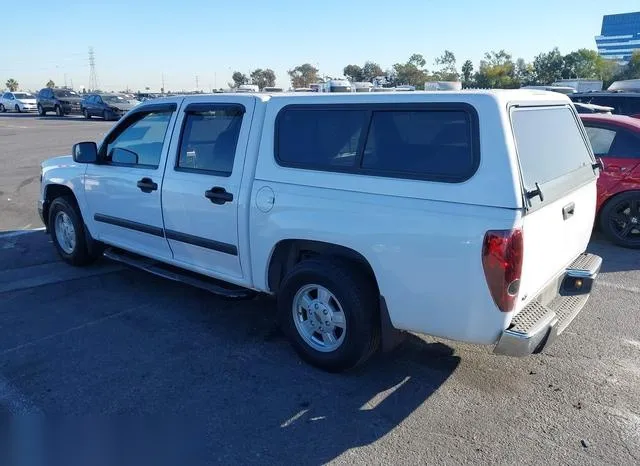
point(616, 139)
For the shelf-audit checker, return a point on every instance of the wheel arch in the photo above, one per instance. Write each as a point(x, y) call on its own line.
point(52, 191)
point(288, 252)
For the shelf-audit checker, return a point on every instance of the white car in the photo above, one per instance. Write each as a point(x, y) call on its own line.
point(463, 215)
point(18, 102)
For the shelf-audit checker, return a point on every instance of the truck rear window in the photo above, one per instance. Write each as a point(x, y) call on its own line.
point(550, 145)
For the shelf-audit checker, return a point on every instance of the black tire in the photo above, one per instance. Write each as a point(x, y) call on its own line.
point(358, 297)
point(86, 114)
point(18, 108)
point(620, 219)
point(41, 110)
point(59, 111)
point(80, 255)
point(2, 109)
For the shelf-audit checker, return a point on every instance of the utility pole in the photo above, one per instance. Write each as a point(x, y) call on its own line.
point(162, 89)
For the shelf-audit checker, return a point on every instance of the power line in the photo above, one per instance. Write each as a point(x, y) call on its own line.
point(93, 77)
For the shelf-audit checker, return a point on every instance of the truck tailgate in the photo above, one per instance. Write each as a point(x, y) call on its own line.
point(554, 236)
point(559, 182)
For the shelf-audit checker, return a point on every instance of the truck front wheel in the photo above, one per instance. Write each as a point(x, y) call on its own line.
point(329, 311)
point(67, 232)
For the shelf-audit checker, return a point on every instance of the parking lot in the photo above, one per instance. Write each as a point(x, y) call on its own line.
point(110, 340)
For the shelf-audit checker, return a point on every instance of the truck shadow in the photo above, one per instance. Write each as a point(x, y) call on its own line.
point(311, 417)
point(376, 401)
point(614, 258)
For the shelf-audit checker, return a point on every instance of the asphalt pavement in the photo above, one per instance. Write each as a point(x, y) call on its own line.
point(108, 340)
point(27, 139)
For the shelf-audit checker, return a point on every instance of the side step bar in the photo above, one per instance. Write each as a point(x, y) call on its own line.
point(179, 275)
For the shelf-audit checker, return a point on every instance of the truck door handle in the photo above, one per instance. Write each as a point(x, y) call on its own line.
point(568, 210)
point(218, 195)
point(147, 185)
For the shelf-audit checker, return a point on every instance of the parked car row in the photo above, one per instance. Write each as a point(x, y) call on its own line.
point(110, 106)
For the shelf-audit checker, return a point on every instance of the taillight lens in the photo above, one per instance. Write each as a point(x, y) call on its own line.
point(502, 262)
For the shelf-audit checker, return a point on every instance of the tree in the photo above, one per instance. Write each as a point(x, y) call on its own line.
point(239, 79)
point(417, 60)
point(525, 74)
point(447, 64)
point(370, 71)
point(263, 78)
point(303, 75)
point(467, 73)
point(12, 84)
point(411, 73)
point(497, 70)
point(353, 72)
point(549, 66)
point(632, 70)
point(50, 84)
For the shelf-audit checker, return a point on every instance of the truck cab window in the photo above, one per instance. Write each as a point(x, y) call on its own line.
point(144, 136)
point(209, 140)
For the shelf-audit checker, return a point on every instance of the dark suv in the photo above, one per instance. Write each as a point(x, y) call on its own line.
point(623, 103)
point(60, 101)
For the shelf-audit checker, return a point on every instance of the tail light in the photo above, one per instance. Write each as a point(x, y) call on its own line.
point(502, 252)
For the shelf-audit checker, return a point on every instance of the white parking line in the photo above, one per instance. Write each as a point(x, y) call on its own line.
point(13, 234)
point(50, 273)
point(618, 286)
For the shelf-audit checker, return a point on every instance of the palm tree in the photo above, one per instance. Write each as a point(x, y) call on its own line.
point(12, 85)
point(51, 84)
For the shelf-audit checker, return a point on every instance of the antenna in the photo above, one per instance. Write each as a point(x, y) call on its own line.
point(93, 78)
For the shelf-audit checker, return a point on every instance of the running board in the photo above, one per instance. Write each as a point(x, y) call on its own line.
point(176, 274)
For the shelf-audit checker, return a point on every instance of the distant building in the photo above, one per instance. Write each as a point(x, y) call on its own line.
point(619, 36)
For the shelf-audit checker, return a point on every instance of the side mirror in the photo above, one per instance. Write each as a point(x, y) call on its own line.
point(123, 156)
point(85, 152)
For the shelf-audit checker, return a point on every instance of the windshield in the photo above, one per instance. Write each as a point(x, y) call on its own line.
point(113, 98)
point(23, 95)
point(65, 93)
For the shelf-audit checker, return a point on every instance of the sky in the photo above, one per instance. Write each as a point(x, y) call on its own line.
point(138, 42)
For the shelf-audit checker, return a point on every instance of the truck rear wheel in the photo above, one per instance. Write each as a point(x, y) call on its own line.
point(67, 232)
point(329, 311)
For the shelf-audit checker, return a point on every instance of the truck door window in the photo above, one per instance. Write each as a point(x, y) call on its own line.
point(209, 140)
point(143, 135)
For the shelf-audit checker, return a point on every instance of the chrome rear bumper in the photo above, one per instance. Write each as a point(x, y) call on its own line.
point(547, 316)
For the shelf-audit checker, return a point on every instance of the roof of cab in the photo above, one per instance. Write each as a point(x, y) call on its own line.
point(502, 97)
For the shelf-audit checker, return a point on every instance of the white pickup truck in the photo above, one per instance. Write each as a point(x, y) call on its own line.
point(462, 215)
